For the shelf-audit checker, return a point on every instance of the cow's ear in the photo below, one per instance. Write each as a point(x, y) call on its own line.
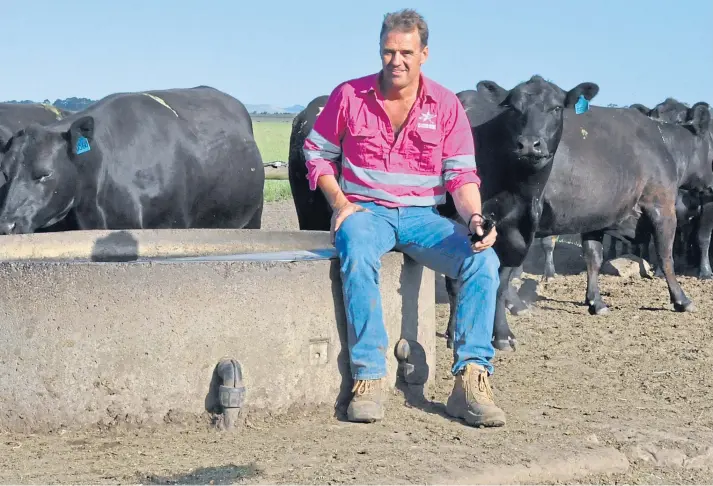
point(588, 90)
point(699, 118)
point(81, 135)
point(492, 91)
point(641, 108)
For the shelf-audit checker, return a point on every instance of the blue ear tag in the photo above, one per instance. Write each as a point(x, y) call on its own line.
point(82, 145)
point(582, 105)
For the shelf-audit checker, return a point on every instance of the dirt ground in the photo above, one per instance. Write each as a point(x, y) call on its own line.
point(623, 398)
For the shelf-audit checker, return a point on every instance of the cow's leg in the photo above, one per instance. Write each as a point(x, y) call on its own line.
point(593, 255)
point(548, 246)
point(503, 338)
point(663, 220)
point(256, 219)
point(705, 228)
point(513, 302)
point(452, 288)
point(611, 246)
point(655, 260)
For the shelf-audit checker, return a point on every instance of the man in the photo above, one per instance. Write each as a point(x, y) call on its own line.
point(403, 141)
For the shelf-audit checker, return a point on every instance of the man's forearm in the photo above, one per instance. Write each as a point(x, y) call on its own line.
point(332, 192)
point(467, 201)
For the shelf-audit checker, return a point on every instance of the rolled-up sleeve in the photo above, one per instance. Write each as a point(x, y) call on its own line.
point(322, 147)
point(459, 165)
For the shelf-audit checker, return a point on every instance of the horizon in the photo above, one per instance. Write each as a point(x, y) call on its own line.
point(293, 56)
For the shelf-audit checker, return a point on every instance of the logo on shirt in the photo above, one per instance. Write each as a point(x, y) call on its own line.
point(426, 120)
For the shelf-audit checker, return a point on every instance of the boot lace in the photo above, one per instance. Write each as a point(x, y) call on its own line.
point(363, 387)
point(478, 380)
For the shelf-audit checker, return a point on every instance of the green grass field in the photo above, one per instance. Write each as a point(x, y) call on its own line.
point(273, 140)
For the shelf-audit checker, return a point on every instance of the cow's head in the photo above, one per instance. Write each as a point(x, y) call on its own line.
point(534, 116)
point(696, 119)
point(41, 166)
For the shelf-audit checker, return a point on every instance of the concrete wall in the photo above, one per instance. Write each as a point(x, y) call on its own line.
point(86, 342)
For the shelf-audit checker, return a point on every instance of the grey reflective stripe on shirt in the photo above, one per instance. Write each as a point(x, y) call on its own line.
point(393, 179)
point(327, 150)
point(459, 162)
point(353, 188)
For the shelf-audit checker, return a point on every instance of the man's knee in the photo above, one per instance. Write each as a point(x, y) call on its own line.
point(484, 264)
point(355, 243)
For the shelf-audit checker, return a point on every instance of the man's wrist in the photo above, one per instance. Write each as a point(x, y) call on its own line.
point(475, 219)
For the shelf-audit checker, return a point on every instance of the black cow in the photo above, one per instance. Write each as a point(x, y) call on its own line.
point(688, 132)
point(177, 158)
point(15, 116)
point(612, 167)
point(311, 206)
point(688, 135)
point(515, 145)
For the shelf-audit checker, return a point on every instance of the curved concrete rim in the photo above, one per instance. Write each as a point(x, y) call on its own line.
point(127, 245)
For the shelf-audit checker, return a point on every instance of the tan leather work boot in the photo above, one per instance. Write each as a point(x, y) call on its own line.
point(367, 403)
point(472, 399)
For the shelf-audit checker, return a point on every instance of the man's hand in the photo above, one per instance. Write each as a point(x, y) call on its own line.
point(341, 213)
point(485, 243)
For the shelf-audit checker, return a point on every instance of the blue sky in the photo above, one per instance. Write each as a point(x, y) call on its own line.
point(288, 52)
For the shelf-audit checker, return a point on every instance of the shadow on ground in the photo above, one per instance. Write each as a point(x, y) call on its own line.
point(568, 261)
point(205, 475)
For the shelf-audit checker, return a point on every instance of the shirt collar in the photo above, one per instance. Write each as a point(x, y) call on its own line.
point(425, 92)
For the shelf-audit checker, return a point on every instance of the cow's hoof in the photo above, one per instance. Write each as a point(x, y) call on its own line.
point(402, 350)
point(705, 275)
point(598, 309)
point(449, 343)
point(519, 309)
point(685, 307)
point(508, 344)
point(547, 276)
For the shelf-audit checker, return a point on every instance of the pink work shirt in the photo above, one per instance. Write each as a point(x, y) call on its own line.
point(433, 153)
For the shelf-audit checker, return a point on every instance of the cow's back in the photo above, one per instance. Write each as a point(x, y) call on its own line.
point(15, 116)
point(170, 158)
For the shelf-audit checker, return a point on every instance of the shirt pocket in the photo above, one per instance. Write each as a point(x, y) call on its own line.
point(426, 151)
point(367, 147)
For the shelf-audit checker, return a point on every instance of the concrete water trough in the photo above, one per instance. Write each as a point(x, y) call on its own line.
point(107, 327)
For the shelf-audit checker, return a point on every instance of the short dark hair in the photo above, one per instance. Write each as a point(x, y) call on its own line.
point(405, 21)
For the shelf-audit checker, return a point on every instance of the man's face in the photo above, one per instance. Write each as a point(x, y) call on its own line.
point(401, 57)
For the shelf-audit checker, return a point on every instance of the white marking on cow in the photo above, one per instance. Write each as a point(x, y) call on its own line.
point(320, 110)
point(159, 100)
point(53, 110)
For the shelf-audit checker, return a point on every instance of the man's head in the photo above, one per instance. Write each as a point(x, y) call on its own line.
point(404, 47)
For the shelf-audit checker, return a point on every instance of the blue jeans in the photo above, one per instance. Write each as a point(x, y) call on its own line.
point(433, 241)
